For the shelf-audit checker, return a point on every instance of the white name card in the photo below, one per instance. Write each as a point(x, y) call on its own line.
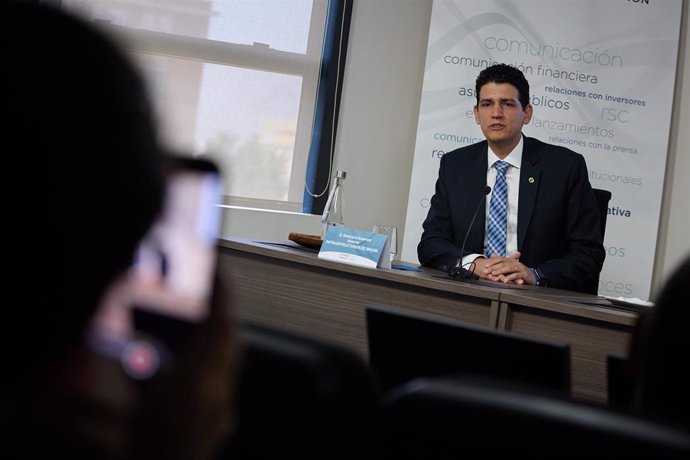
point(356, 247)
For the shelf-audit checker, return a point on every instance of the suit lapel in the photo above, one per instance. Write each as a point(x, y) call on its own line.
point(477, 183)
point(529, 185)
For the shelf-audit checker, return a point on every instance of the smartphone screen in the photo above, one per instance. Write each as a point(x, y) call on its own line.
point(147, 315)
point(173, 268)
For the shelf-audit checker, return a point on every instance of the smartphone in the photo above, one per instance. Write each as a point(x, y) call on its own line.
point(167, 290)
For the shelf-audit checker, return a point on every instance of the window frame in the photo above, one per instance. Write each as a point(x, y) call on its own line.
point(321, 67)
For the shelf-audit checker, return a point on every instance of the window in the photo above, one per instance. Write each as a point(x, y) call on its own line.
point(252, 84)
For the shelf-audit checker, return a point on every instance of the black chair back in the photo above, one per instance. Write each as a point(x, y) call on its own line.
point(487, 418)
point(405, 345)
point(619, 380)
point(301, 398)
point(602, 197)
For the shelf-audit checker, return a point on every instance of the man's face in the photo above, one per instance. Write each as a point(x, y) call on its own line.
point(501, 116)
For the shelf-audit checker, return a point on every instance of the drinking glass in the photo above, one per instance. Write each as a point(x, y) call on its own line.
point(392, 233)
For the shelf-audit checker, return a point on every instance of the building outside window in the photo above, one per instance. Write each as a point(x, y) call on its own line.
point(239, 82)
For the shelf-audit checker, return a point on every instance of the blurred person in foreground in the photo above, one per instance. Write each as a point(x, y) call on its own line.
point(659, 353)
point(81, 138)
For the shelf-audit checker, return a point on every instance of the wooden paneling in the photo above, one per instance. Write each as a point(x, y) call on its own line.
point(590, 340)
point(290, 288)
point(329, 304)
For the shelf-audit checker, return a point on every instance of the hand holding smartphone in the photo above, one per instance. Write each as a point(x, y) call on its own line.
point(167, 291)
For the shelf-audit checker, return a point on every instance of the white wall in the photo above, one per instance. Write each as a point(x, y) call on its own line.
point(378, 120)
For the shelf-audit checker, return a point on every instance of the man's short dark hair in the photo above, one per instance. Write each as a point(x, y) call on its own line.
point(504, 73)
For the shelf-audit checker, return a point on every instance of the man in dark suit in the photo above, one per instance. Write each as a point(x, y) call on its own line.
point(551, 232)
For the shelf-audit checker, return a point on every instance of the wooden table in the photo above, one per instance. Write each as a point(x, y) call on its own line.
point(285, 285)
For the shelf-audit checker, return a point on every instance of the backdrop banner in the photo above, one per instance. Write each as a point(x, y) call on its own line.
point(601, 76)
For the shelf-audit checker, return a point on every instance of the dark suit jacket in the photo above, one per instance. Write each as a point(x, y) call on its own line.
point(558, 217)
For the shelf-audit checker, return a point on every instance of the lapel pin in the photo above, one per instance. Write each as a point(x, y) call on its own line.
point(531, 180)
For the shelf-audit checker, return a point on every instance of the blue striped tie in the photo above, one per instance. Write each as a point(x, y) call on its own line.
point(497, 212)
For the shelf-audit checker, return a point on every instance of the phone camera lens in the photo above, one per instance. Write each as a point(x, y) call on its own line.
point(140, 359)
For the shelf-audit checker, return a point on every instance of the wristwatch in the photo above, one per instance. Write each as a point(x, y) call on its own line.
point(539, 275)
